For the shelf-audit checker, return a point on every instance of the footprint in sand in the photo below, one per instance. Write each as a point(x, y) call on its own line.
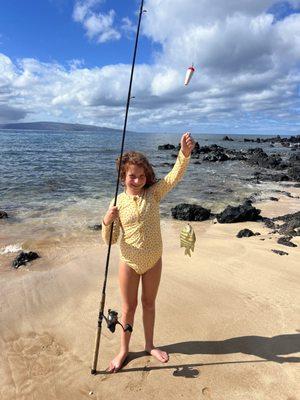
point(136, 385)
point(37, 363)
point(206, 393)
point(31, 355)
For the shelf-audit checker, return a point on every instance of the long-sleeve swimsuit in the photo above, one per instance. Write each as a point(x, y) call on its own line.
point(139, 221)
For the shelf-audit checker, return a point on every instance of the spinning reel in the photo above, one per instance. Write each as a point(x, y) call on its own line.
point(112, 321)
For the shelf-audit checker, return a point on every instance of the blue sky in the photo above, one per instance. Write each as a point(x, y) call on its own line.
point(45, 30)
point(69, 61)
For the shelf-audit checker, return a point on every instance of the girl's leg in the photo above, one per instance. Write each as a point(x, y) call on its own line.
point(150, 283)
point(129, 284)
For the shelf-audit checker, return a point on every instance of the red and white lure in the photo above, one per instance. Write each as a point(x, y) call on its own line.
point(189, 74)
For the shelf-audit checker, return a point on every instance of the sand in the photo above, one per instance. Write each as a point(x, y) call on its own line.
point(228, 316)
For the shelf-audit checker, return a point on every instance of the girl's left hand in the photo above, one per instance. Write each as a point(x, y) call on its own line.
point(187, 144)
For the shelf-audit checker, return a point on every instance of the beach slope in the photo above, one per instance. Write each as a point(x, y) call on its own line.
point(228, 316)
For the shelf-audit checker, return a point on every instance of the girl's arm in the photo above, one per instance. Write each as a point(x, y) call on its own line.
point(161, 188)
point(106, 229)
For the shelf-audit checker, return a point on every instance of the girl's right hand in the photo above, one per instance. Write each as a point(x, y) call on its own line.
point(111, 215)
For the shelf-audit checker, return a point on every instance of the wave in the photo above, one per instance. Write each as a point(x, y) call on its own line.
point(11, 248)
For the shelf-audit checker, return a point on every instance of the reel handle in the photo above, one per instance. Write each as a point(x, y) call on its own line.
point(112, 321)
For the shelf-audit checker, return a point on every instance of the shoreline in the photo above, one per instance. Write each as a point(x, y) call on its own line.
point(58, 248)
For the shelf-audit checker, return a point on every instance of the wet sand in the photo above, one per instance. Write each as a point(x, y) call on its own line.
point(228, 316)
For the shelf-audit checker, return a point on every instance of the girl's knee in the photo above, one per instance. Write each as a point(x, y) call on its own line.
point(129, 308)
point(148, 304)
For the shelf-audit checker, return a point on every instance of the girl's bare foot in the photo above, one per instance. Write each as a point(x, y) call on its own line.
point(116, 364)
point(160, 355)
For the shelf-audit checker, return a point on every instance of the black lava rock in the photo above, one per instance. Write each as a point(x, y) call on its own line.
point(241, 213)
point(269, 223)
point(286, 241)
point(291, 227)
point(96, 227)
point(245, 233)
point(166, 147)
point(3, 214)
point(258, 157)
point(280, 252)
point(216, 156)
point(190, 212)
point(294, 173)
point(24, 258)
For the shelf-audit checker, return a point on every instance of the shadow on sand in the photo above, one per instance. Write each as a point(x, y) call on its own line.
point(267, 348)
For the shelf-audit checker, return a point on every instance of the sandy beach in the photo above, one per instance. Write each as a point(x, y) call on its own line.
point(228, 316)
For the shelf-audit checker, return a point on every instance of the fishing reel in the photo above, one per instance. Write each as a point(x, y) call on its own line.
point(112, 321)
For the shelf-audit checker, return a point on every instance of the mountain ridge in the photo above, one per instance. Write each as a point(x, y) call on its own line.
point(54, 126)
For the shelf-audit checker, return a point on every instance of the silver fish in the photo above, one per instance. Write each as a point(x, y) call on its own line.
point(187, 239)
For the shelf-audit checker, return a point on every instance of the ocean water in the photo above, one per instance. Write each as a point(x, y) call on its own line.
point(57, 184)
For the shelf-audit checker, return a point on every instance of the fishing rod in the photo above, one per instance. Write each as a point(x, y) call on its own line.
point(112, 318)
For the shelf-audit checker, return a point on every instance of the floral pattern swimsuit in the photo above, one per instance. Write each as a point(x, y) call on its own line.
point(139, 221)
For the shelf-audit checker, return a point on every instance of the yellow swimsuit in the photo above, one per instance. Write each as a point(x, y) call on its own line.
point(139, 221)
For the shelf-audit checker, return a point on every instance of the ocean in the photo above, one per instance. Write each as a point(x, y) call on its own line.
point(55, 185)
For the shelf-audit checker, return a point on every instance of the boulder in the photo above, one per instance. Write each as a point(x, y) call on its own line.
point(23, 258)
point(245, 233)
point(294, 173)
point(286, 241)
point(166, 147)
point(216, 156)
point(257, 157)
point(196, 149)
point(3, 214)
point(269, 223)
point(280, 252)
point(190, 212)
point(291, 226)
point(241, 213)
point(209, 149)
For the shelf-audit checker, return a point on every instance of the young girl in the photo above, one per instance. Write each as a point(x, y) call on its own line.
point(137, 217)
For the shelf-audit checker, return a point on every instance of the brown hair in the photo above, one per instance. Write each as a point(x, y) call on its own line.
point(136, 158)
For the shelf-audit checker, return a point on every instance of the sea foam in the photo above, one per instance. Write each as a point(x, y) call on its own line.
point(12, 248)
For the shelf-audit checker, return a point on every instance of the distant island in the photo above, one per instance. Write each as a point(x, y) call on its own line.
point(57, 126)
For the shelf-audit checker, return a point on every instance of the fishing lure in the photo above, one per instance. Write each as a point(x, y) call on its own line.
point(189, 74)
point(188, 239)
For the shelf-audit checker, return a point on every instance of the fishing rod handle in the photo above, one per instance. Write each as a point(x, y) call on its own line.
point(98, 335)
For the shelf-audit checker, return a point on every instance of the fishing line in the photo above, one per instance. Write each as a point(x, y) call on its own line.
point(112, 318)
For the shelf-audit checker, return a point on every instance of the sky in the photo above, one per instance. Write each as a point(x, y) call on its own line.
point(70, 61)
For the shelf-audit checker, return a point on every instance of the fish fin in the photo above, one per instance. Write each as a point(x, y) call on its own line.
point(187, 252)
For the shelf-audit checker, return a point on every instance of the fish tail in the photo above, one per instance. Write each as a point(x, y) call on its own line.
point(187, 252)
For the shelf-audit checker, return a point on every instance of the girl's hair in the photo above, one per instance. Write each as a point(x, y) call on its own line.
point(136, 158)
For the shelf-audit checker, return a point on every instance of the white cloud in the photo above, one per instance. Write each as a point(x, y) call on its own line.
point(128, 27)
point(247, 70)
point(98, 25)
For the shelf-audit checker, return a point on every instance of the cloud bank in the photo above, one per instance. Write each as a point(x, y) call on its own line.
point(247, 71)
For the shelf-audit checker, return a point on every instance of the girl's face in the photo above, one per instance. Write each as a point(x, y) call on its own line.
point(135, 179)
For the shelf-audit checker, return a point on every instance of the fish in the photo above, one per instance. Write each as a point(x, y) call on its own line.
point(188, 239)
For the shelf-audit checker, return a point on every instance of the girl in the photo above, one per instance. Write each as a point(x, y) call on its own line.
point(137, 216)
